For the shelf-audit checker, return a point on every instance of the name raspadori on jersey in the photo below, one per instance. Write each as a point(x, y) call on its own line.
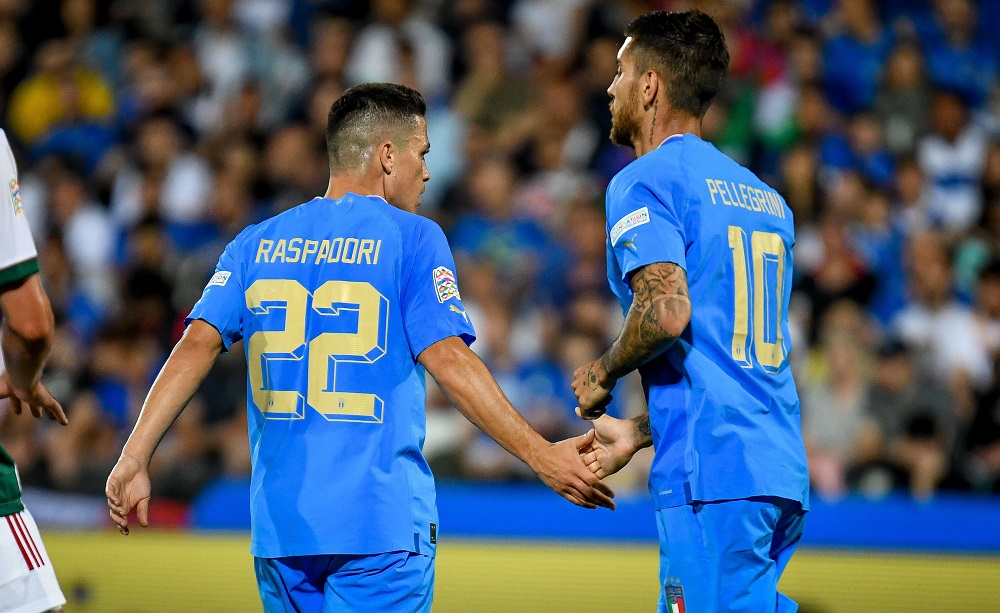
point(297, 250)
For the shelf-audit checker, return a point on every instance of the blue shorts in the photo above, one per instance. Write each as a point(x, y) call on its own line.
point(396, 581)
point(727, 555)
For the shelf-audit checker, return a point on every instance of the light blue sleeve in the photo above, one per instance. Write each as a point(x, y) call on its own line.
point(431, 305)
point(222, 303)
point(644, 226)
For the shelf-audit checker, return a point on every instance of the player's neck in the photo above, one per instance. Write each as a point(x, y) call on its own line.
point(658, 129)
point(342, 184)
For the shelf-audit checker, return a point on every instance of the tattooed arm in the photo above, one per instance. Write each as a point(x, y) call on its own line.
point(660, 311)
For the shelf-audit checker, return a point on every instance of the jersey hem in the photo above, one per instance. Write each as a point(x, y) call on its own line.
point(19, 272)
point(42, 604)
point(682, 496)
point(430, 554)
point(11, 507)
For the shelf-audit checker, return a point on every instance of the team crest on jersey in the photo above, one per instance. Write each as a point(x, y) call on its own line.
point(15, 197)
point(633, 219)
point(673, 596)
point(445, 284)
point(220, 278)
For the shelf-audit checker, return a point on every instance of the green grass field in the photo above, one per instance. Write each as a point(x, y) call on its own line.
point(179, 572)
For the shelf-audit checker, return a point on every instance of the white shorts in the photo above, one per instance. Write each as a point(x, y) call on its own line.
point(27, 582)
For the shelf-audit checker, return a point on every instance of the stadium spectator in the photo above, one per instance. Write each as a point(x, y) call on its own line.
point(166, 178)
point(60, 92)
point(954, 347)
point(911, 207)
point(839, 274)
point(981, 462)
point(903, 99)
point(917, 426)
point(853, 58)
point(494, 231)
point(395, 31)
point(836, 431)
point(952, 157)
point(960, 57)
point(87, 234)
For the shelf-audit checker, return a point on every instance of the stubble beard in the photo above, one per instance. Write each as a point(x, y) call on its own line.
point(625, 124)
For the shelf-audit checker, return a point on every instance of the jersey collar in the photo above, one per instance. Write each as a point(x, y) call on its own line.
point(672, 137)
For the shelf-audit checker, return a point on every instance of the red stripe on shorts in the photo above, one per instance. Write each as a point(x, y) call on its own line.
point(32, 547)
point(20, 546)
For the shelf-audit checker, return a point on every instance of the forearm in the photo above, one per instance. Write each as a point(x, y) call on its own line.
point(659, 313)
point(23, 357)
point(467, 382)
point(26, 332)
point(180, 377)
point(638, 343)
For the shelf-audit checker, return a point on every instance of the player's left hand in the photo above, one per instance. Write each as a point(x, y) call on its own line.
point(128, 488)
point(613, 445)
point(37, 399)
point(593, 390)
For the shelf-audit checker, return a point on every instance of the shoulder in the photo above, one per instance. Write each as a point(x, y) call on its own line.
point(656, 171)
point(236, 247)
point(6, 152)
point(301, 214)
point(297, 215)
point(411, 225)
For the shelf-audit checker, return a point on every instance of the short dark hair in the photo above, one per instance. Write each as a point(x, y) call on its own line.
point(363, 114)
point(687, 49)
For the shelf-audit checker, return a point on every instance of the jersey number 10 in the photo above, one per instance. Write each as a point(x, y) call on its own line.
point(331, 299)
point(767, 252)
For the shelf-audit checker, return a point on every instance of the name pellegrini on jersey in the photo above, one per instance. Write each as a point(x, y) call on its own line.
point(750, 198)
point(297, 250)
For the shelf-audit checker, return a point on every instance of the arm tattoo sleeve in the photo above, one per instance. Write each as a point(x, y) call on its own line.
point(661, 309)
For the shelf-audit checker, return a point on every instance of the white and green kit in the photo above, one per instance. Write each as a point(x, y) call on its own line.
point(27, 581)
point(18, 261)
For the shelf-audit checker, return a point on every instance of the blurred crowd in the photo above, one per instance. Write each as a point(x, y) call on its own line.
point(148, 134)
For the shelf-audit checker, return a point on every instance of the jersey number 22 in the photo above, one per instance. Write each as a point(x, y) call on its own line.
point(331, 299)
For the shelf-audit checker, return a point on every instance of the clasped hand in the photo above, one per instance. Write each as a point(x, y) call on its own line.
point(592, 389)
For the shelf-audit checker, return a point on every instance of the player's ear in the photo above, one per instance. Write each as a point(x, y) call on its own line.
point(650, 87)
point(386, 156)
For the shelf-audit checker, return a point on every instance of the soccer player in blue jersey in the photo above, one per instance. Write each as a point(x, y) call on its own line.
point(700, 257)
point(342, 303)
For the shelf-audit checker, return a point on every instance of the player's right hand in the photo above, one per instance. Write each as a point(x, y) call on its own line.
point(561, 468)
point(37, 399)
point(592, 389)
point(128, 488)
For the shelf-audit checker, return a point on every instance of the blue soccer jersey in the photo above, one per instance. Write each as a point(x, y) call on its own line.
point(722, 403)
point(334, 300)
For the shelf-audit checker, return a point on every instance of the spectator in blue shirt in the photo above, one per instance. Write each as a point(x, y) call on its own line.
point(854, 58)
point(958, 57)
